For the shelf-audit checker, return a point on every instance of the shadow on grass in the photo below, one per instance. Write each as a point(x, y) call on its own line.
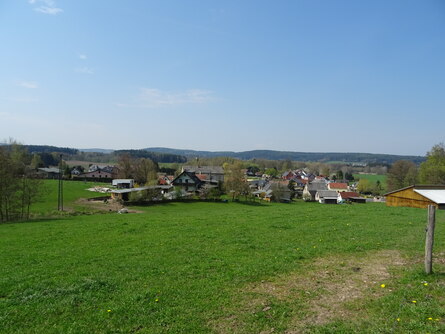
point(174, 202)
point(250, 203)
point(37, 220)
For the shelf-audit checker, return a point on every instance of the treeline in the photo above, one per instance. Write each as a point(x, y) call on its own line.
point(50, 149)
point(18, 188)
point(155, 156)
point(404, 173)
point(368, 158)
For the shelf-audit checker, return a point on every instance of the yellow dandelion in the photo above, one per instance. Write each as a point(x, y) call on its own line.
point(425, 284)
point(157, 299)
point(430, 319)
point(414, 301)
point(398, 319)
point(108, 311)
point(437, 319)
point(382, 285)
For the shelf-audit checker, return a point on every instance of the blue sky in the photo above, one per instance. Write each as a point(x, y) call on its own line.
point(315, 75)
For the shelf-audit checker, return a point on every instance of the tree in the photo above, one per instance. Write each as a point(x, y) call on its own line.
point(234, 180)
point(432, 171)
point(18, 190)
point(272, 172)
point(126, 166)
point(145, 171)
point(365, 186)
point(401, 174)
point(339, 175)
point(279, 191)
point(36, 161)
point(291, 187)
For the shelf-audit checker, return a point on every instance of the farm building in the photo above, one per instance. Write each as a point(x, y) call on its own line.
point(327, 196)
point(417, 197)
point(124, 193)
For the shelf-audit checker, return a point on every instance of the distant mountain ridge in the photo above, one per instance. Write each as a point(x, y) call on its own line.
point(179, 155)
point(295, 156)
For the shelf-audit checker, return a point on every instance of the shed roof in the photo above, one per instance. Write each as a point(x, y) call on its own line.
point(418, 187)
point(327, 194)
point(435, 195)
point(50, 170)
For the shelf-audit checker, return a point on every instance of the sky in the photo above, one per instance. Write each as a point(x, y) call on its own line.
point(294, 75)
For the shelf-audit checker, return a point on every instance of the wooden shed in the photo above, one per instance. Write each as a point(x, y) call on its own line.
point(417, 197)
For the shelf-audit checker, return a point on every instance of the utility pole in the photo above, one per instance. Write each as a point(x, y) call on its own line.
point(60, 195)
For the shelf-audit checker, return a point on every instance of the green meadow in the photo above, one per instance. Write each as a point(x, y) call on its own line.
point(223, 268)
point(72, 191)
point(373, 178)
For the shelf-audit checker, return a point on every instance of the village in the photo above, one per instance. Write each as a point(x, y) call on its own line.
point(199, 181)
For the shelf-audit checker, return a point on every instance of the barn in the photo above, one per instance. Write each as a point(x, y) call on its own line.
point(417, 197)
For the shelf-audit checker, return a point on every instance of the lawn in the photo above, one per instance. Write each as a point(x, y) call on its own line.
point(224, 268)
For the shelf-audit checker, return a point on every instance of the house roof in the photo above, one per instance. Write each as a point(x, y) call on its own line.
point(189, 174)
point(317, 186)
point(202, 177)
point(338, 185)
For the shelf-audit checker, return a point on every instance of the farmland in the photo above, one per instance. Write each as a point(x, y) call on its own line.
point(223, 268)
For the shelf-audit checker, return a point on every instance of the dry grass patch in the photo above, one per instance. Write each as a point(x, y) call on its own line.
point(331, 288)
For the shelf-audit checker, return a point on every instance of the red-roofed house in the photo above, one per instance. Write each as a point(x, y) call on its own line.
point(340, 187)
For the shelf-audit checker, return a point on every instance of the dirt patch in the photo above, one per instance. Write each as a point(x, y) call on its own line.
point(108, 205)
point(330, 289)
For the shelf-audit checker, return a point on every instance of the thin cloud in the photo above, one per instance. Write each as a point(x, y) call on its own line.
point(84, 70)
point(83, 56)
point(28, 84)
point(152, 97)
point(46, 7)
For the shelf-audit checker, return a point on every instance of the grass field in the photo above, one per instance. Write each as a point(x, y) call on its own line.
point(72, 191)
point(373, 179)
point(224, 268)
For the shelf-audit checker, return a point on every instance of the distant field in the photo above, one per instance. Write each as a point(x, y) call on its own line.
point(224, 268)
point(73, 190)
point(373, 178)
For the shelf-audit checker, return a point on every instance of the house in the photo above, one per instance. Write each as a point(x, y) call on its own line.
point(338, 186)
point(289, 175)
point(123, 183)
point(48, 173)
point(188, 181)
point(76, 171)
point(95, 175)
point(327, 196)
point(417, 196)
point(212, 173)
point(311, 189)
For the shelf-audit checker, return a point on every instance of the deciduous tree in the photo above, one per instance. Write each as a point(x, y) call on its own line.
point(401, 174)
point(432, 171)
